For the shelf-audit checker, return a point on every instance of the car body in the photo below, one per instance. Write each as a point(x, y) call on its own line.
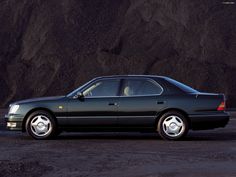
point(121, 103)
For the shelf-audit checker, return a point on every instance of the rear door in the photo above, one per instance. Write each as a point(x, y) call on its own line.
point(140, 100)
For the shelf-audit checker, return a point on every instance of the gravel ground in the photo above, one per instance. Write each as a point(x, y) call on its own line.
point(203, 153)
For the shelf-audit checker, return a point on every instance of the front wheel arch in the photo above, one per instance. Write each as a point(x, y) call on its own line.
point(33, 110)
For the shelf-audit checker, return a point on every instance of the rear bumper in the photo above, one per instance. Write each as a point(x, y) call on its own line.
point(14, 121)
point(209, 121)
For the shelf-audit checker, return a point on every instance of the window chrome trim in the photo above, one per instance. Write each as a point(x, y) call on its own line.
point(148, 95)
point(123, 96)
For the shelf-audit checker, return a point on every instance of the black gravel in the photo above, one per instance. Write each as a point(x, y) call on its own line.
point(204, 153)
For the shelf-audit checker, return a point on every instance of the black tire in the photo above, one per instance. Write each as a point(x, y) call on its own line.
point(45, 121)
point(176, 131)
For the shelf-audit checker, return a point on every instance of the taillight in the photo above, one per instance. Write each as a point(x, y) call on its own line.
point(221, 107)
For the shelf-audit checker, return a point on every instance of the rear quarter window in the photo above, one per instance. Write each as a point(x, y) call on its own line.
point(181, 86)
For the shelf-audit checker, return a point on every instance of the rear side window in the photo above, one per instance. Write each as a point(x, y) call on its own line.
point(135, 87)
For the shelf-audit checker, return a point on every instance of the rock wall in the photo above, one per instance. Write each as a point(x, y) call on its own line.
point(51, 47)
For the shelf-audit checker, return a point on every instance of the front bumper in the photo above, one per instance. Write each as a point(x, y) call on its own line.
point(14, 121)
point(209, 120)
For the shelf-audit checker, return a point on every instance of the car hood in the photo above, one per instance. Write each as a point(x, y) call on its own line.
point(53, 98)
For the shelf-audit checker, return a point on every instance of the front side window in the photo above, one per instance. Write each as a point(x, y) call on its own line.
point(135, 87)
point(107, 87)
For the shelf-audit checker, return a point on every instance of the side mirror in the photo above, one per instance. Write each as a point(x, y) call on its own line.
point(79, 95)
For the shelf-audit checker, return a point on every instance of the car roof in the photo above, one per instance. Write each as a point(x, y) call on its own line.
point(130, 76)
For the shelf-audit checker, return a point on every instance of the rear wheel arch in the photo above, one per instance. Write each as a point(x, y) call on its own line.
point(34, 110)
point(173, 110)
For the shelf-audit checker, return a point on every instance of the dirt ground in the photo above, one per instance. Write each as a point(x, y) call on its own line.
point(203, 153)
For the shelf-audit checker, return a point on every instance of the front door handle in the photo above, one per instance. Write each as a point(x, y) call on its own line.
point(112, 104)
point(160, 102)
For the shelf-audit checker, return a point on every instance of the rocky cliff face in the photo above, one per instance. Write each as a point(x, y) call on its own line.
point(51, 47)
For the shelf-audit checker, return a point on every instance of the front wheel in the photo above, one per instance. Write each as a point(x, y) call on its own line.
point(41, 125)
point(172, 126)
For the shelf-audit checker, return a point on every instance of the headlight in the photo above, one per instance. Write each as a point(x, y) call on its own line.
point(13, 109)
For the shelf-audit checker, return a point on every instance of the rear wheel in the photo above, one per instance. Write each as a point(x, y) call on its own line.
point(172, 126)
point(41, 125)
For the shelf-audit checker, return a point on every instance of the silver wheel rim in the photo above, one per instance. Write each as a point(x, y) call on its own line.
point(173, 126)
point(41, 125)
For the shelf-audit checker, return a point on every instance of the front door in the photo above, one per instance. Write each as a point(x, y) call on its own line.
point(98, 106)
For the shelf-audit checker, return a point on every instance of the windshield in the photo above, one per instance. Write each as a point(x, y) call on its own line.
point(182, 86)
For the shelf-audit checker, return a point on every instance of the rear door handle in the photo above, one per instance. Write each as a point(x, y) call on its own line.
point(112, 104)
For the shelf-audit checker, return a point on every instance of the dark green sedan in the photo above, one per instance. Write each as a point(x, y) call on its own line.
point(143, 103)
